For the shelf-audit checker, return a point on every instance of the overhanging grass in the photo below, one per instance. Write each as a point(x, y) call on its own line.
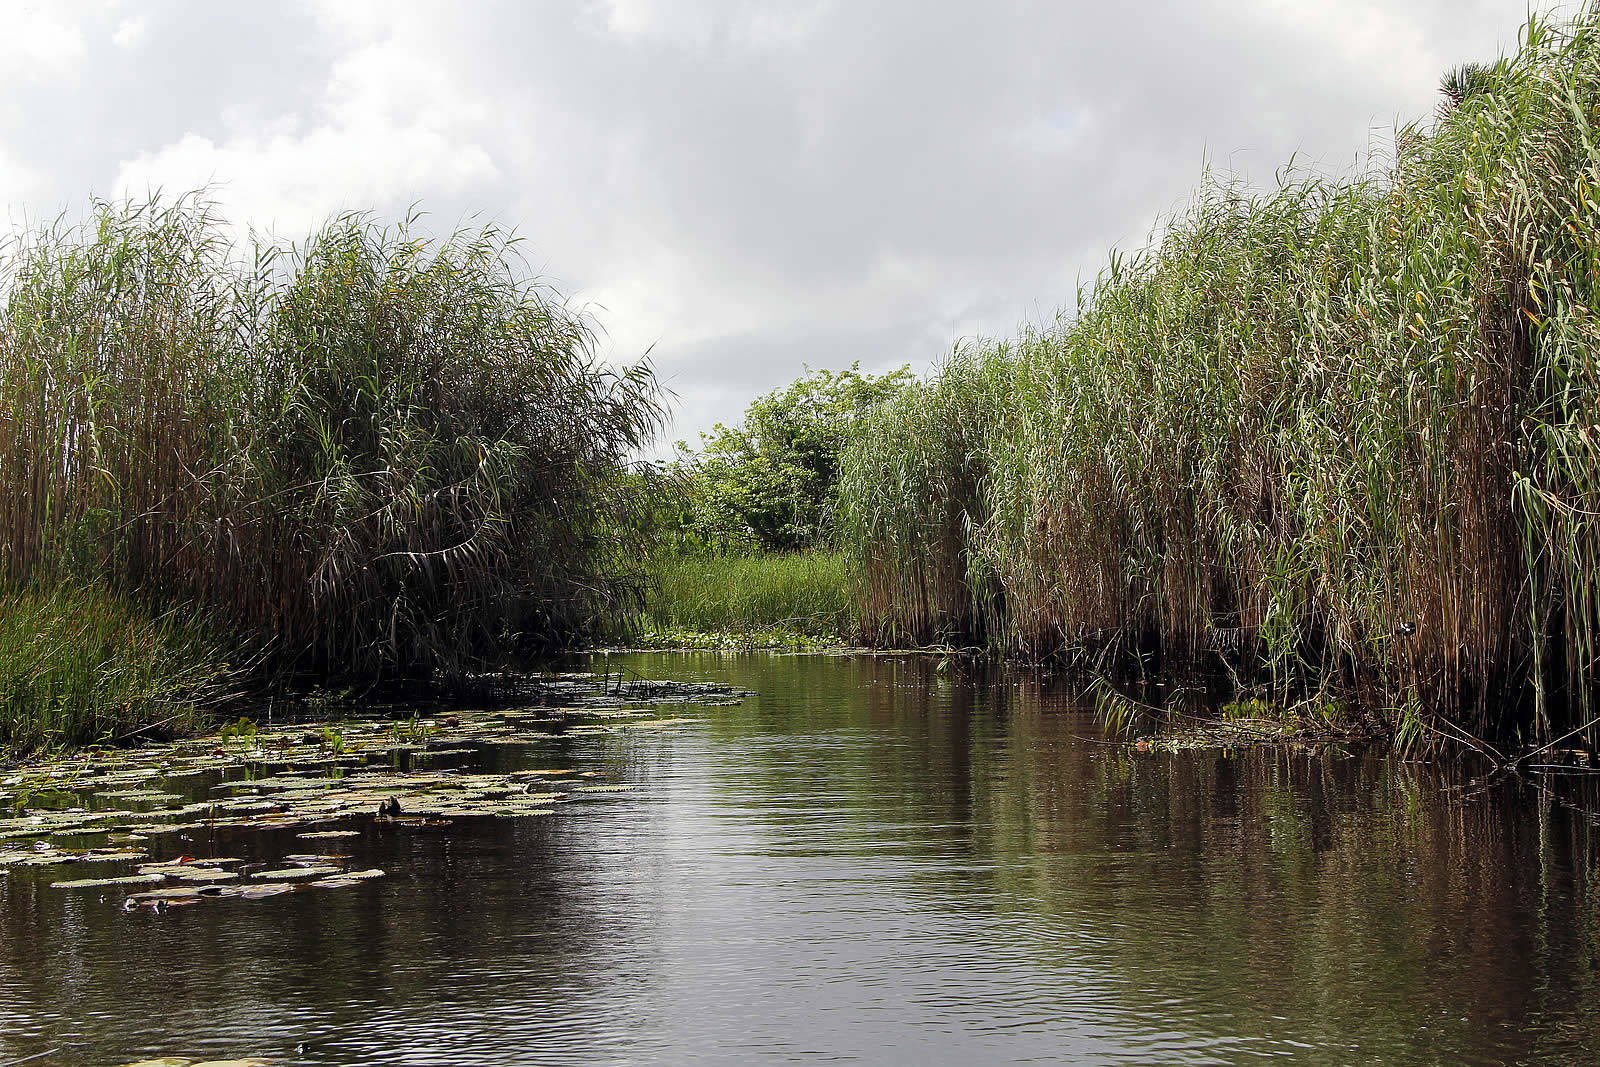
point(79, 666)
point(802, 593)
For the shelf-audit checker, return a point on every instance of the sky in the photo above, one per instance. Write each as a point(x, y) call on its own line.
point(739, 188)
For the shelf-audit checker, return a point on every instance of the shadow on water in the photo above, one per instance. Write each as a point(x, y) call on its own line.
point(875, 858)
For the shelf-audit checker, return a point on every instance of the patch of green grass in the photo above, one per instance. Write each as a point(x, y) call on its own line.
point(804, 594)
point(79, 666)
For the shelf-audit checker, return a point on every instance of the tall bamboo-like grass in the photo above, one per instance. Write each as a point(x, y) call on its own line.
point(370, 454)
point(1345, 427)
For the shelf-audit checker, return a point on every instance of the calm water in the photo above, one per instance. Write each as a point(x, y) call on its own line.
point(873, 860)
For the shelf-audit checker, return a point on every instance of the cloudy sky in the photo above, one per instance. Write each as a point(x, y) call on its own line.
point(747, 186)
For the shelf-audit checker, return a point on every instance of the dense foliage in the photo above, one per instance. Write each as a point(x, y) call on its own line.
point(1341, 432)
point(771, 483)
point(371, 454)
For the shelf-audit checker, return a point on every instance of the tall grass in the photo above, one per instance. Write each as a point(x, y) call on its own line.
point(1343, 429)
point(801, 592)
point(366, 455)
point(79, 666)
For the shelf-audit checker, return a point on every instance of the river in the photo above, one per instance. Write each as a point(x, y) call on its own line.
point(873, 859)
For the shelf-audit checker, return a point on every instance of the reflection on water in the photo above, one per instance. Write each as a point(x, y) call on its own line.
point(874, 859)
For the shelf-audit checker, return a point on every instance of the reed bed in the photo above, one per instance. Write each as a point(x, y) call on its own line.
point(1338, 433)
point(367, 455)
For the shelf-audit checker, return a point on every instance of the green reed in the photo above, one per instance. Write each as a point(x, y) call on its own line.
point(80, 666)
point(370, 454)
point(1341, 432)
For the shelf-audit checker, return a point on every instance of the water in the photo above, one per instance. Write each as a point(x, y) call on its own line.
point(873, 860)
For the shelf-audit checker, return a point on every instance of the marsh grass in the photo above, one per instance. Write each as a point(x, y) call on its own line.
point(801, 593)
point(1340, 433)
point(79, 666)
point(369, 455)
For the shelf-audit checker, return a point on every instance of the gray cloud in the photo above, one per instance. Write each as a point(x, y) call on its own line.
point(747, 186)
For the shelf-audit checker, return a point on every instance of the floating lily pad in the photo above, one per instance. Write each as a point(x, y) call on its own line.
point(261, 892)
point(97, 883)
point(294, 873)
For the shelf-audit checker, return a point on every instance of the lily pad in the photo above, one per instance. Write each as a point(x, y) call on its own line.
point(294, 873)
point(97, 883)
point(261, 892)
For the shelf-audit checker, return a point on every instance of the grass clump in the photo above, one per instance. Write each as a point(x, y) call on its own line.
point(803, 594)
point(80, 666)
point(1340, 432)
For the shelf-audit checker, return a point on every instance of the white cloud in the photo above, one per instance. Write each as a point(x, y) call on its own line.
point(129, 33)
point(385, 133)
point(38, 40)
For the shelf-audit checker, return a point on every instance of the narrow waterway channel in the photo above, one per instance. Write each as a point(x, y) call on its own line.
point(874, 859)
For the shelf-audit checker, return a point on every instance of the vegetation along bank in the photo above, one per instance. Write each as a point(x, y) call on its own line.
point(368, 456)
point(1336, 440)
point(1341, 435)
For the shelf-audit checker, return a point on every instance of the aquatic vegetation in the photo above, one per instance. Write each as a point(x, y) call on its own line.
point(1338, 435)
point(243, 731)
point(412, 775)
point(79, 666)
point(366, 455)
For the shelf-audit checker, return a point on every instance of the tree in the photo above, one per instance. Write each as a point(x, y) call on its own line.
point(770, 483)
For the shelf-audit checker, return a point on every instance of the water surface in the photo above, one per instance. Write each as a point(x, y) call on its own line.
point(872, 859)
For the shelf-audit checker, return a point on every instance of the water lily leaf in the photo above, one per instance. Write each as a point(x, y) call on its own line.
point(288, 873)
point(328, 835)
point(204, 876)
point(177, 893)
point(97, 883)
point(261, 892)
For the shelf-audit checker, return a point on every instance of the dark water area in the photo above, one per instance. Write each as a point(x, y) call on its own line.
point(876, 860)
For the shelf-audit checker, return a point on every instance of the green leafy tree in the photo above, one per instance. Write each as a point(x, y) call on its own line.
point(771, 482)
